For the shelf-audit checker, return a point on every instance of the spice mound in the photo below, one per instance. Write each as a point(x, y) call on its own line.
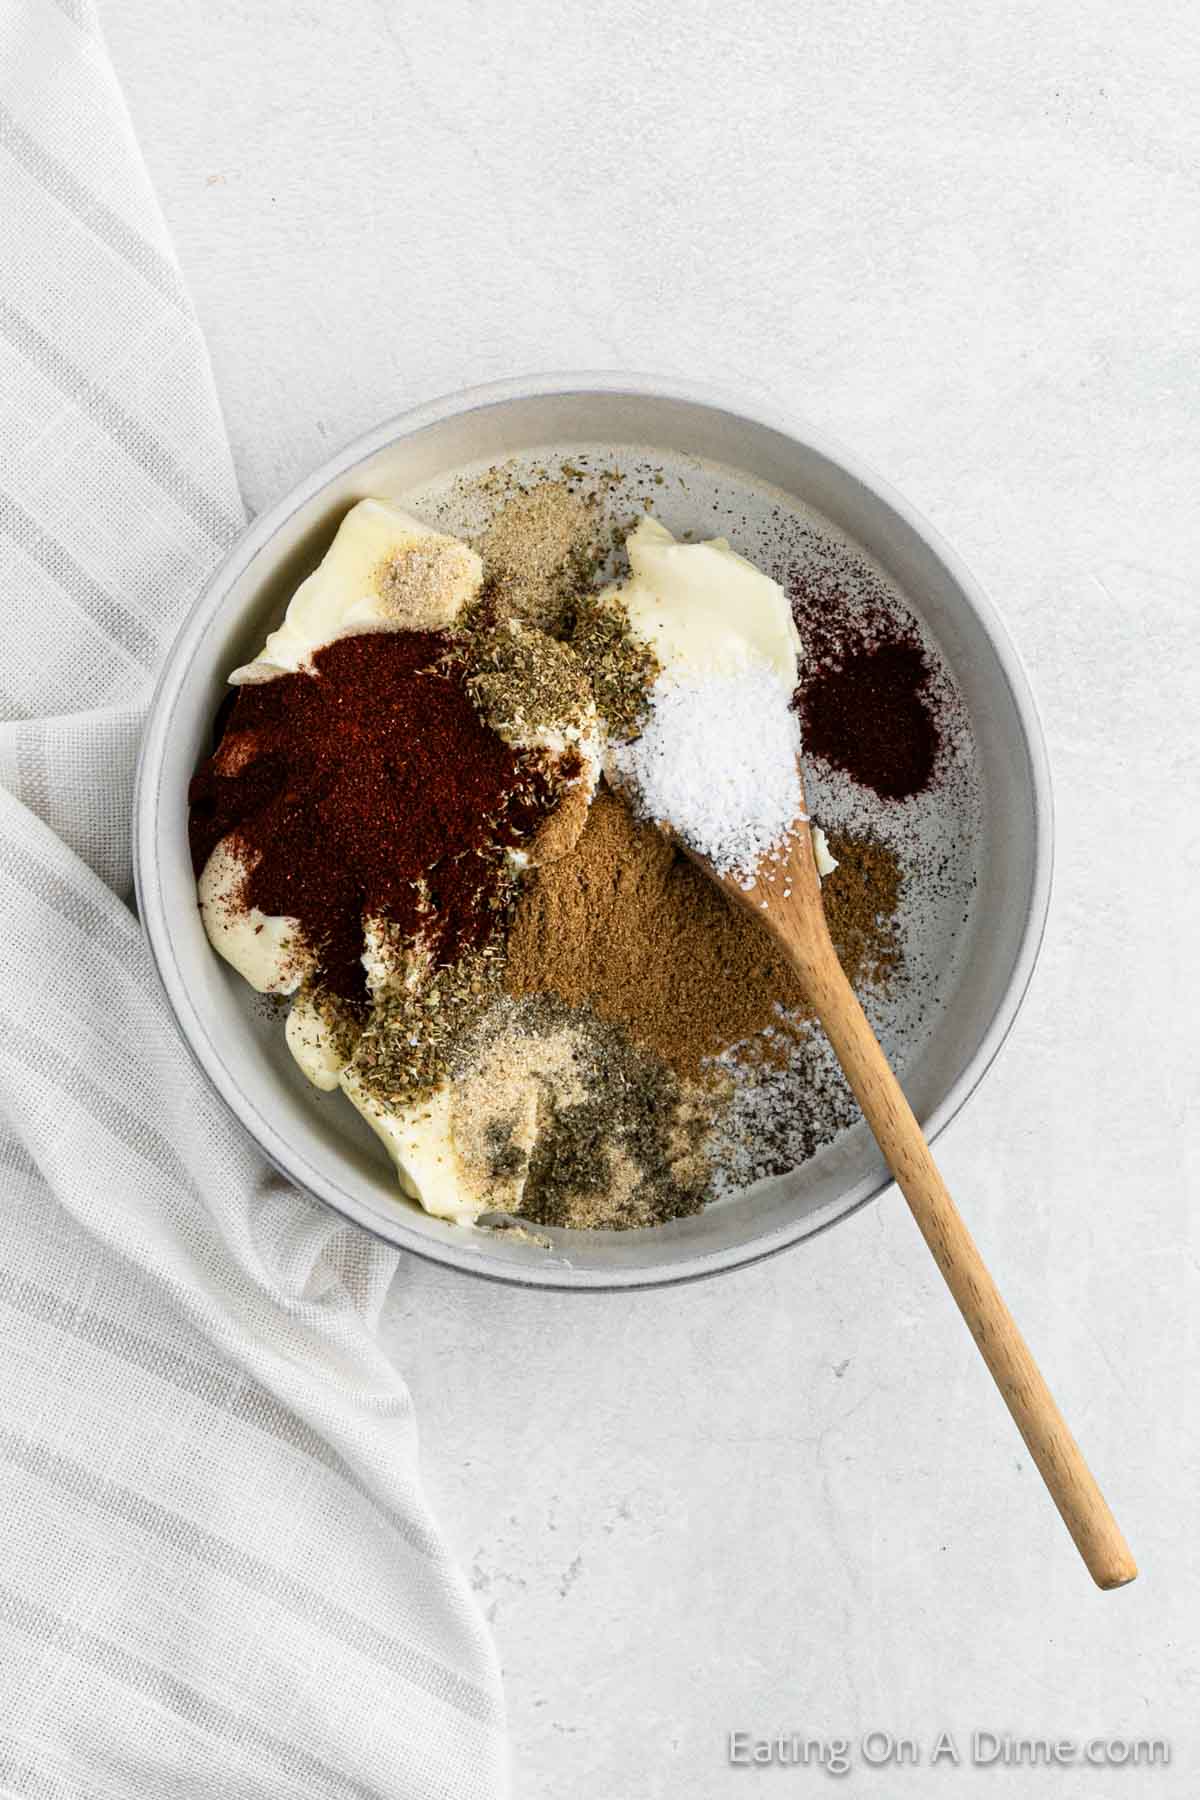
point(430, 821)
point(866, 696)
point(368, 788)
point(629, 926)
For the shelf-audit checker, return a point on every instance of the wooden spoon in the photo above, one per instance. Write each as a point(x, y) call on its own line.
point(786, 897)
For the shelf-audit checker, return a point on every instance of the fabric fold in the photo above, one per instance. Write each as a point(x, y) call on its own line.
point(218, 1572)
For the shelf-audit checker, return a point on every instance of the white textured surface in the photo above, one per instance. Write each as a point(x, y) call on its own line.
point(963, 238)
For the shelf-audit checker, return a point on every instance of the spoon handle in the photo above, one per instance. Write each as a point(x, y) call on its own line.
point(1058, 1457)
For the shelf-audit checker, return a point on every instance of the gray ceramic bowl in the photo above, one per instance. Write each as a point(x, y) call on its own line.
point(317, 1140)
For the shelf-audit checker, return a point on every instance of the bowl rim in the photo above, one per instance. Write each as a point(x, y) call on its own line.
point(258, 536)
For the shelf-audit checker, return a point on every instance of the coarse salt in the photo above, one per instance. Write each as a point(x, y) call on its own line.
point(717, 762)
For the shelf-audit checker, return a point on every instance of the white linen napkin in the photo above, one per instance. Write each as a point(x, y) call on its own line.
point(218, 1574)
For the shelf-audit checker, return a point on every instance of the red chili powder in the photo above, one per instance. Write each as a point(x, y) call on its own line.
point(868, 716)
point(354, 784)
point(864, 698)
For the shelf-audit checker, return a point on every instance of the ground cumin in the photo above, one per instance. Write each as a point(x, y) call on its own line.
point(861, 898)
point(627, 925)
